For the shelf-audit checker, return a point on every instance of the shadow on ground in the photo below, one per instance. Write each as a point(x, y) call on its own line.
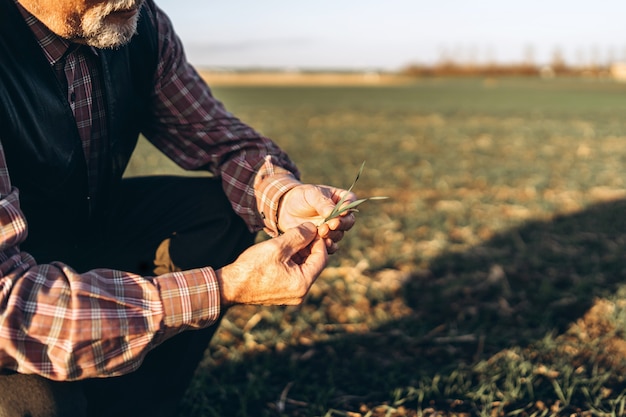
point(509, 292)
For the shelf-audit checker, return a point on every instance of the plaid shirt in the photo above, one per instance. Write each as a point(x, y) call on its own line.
point(63, 325)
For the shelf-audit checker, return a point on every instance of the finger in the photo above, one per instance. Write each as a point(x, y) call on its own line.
point(297, 238)
point(331, 246)
point(343, 222)
point(322, 203)
point(347, 221)
point(327, 233)
point(338, 193)
point(323, 230)
point(335, 236)
point(300, 257)
point(317, 259)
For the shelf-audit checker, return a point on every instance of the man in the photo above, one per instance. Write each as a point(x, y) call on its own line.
point(110, 289)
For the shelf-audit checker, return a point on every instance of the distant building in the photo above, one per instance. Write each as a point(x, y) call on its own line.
point(618, 71)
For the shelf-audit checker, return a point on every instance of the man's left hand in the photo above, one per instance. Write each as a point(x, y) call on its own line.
point(313, 203)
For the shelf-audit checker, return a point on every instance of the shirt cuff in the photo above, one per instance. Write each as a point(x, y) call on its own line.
point(271, 183)
point(191, 300)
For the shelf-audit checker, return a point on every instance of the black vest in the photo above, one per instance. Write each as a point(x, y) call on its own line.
point(39, 135)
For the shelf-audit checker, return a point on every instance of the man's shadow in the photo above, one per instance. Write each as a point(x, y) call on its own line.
point(510, 291)
point(529, 281)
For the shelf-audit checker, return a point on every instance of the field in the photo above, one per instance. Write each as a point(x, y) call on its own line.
point(491, 282)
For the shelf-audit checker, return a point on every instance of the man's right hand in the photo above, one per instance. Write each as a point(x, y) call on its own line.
point(279, 271)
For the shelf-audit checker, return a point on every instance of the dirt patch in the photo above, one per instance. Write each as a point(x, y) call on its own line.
point(597, 336)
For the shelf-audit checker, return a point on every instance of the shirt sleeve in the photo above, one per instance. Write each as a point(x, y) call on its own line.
point(194, 129)
point(63, 325)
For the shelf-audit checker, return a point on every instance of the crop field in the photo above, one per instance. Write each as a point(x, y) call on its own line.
point(491, 283)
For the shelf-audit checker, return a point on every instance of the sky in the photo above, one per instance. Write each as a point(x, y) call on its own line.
point(391, 34)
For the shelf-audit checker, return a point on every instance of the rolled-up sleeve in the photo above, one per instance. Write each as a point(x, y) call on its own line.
point(195, 130)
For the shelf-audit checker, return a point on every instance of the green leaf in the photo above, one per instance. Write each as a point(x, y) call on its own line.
point(340, 208)
point(358, 175)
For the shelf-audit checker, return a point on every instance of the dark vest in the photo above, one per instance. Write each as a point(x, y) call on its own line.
point(39, 135)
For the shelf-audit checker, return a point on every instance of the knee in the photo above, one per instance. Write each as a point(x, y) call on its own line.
point(214, 242)
point(34, 396)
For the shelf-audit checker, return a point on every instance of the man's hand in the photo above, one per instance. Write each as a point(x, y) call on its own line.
point(313, 203)
point(278, 271)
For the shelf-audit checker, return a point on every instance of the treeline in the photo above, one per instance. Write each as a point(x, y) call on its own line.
point(466, 62)
point(451, 68)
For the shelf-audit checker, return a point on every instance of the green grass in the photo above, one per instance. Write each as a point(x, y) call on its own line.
point(490, 283)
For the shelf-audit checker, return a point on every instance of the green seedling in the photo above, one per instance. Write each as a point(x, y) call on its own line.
point(340, 208)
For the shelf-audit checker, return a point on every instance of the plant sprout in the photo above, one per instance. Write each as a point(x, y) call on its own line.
point(340, 208)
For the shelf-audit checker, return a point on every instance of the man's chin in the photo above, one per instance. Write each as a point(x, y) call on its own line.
point(110, 37)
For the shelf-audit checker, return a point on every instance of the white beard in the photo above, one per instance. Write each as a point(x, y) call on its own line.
point(99, 33)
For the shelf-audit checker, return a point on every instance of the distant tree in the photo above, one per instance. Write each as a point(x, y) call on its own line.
point(595, 56)
point(529, 55)
point(558, 61)
point(610, 56)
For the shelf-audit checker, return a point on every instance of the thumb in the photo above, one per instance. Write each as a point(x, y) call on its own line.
point(317, 259)
point(297, 238)
point(313, 255)
point(323, 204)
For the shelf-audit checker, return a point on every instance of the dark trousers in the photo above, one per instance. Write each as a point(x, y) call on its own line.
point(162, 223)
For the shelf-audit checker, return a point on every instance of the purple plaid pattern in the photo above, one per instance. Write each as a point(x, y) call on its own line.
point(65, 326)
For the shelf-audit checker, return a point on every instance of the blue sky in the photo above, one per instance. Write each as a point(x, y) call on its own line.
point(389, 34)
